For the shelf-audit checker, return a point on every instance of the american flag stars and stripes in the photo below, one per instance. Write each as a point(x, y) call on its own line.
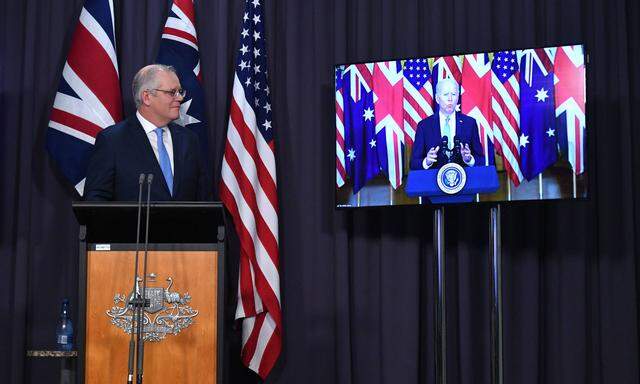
point(88, 97)
point(248, 190)
point(418, 95)
point(179, 48)
point(505, 104)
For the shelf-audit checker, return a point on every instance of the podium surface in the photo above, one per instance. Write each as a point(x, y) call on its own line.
point(184, 325)
point(480, 179)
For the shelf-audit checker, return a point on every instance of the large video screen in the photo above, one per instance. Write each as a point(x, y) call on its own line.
point(481, 127)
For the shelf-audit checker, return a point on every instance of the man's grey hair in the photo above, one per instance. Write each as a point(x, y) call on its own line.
point(146, 79)
point(447, 81)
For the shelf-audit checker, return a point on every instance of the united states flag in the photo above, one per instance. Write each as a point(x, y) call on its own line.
point(505, 104)
point(88, 98)
point(248, 190)
point(418, 95)
point(179, 48)
point(570, 103)
point(341, 171)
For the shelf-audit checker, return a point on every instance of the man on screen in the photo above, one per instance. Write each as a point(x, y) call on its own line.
point(149, 143)
point(462, 144)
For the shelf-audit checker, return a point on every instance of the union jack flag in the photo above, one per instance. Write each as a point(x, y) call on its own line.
point(418, 95)
point(179, 48)
point(248, 190)
point(570, 103)
point(88, 98)
point(476, 93)
point(389, 116)
point(505, 104)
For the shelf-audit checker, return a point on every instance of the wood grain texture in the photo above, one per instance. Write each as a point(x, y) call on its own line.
point(188, 357)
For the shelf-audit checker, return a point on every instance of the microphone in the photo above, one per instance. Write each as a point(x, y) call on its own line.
point(139, 369)
point(457, 155)
point(445, 153)
point(134, 291)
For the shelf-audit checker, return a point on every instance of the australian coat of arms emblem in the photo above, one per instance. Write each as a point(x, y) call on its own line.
point(168, 311)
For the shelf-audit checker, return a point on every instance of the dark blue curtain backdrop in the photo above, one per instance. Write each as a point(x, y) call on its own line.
point(357, 286)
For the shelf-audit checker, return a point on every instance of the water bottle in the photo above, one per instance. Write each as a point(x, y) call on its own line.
point(64, 331)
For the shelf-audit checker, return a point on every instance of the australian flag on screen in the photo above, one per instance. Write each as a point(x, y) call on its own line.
point(538, 139)
point(361, 155)
point(179, 48)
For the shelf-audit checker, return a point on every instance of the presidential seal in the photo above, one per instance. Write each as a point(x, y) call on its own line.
point(451, 178)
point(168, 312)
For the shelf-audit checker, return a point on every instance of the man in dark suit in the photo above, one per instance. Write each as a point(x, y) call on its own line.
point(427, 152)
point(149, 143)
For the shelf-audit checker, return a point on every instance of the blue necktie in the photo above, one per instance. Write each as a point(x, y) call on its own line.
point(165, 163)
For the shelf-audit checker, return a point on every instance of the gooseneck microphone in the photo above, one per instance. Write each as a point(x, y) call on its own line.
point(134, 299)
point(140, 365)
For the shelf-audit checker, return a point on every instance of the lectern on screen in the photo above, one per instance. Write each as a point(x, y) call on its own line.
point(480, 127)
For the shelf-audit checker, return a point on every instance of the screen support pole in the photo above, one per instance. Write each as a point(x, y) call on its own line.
point(440, 311)
point(495, 263)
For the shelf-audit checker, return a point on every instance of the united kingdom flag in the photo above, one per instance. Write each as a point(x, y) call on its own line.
point(88, 98)
point(476, 102)
point(179, 48)
point(570, 103)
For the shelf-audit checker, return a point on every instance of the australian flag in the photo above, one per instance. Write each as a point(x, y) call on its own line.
point(361, 152)
point(179, 48)
point(538, 142)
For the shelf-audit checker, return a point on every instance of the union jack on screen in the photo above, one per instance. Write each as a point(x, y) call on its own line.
point(88, 98)
point(248, 190)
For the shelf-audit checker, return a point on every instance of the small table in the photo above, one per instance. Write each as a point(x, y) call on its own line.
point(67, 362)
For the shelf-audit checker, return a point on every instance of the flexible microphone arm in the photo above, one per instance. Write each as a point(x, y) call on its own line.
point(139, 369)
point(134, 293)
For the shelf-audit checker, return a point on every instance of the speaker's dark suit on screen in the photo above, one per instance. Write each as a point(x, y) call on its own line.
point(428, 136)
point(122, 152)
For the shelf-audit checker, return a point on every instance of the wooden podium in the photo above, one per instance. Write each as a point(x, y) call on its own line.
point(185, 282)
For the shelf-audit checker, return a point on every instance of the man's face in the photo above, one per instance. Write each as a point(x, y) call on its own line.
point(164, 106)
point(448, 97)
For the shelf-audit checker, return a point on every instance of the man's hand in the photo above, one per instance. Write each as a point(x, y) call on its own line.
point(432, 155)
point(466, 152)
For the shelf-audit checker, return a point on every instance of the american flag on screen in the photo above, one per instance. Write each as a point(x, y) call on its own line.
point(418, 95)
point(248, 190)
point(505, 104)
point(88, 98)
point(179, 48)
point(570, 103)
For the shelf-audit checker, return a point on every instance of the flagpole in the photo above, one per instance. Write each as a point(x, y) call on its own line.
point(440, 312)
point(575, 187)
point(495, 262)
point(540, 186)
point(508, 188)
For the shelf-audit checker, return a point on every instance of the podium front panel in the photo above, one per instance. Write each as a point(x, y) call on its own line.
point(186, 357)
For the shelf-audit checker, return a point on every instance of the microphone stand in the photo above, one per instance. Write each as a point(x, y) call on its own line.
point(139, 370)
point(134, 292)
